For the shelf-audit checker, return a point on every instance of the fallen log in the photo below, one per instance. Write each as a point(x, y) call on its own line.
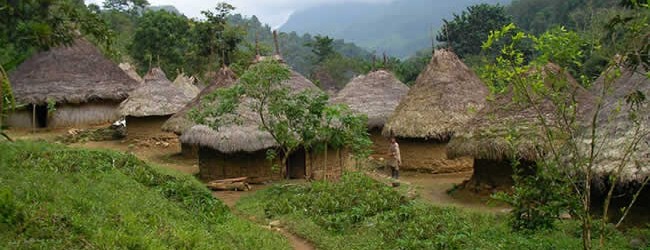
point(231, 180)
point(231, 186)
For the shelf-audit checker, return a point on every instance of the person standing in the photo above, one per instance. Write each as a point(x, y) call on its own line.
point(395, 158)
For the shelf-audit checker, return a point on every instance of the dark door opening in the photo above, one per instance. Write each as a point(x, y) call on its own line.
point(41, 116)
point(297, 165)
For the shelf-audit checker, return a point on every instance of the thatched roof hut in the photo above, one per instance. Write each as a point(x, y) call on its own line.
point(156, 97)
point(186, 84)
point(75, 74)
point(446, 95)
point(179, 122)
point(376, 95)
point(617, 129)
point(484, 137)
point(246, 135)
point(130, 70)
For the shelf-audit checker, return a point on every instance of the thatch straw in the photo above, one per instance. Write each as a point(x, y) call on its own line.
point(186, 84)
point(75, 74)
point(446, 95)
point(130, 70)
point(484, 137)
point(179, 122)
point(156, 97)
point(245, 136)
point(616, 130)
point(375, 95)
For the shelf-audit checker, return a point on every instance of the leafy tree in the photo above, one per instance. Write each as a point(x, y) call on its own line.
point(294, 120)
point(568, 165)
point(322, 46)
point(214, 38)
point(28, 26)
point(133, 7)
point(161, 38)
point(466, 31)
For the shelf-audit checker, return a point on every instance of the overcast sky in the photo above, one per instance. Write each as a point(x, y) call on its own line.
point(273, 12)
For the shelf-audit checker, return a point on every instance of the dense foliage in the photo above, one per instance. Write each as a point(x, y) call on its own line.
point(360, 213)
point(61, 198)
point(467, 30)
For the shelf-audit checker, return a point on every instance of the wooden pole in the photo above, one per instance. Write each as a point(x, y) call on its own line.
point(33, 118)
point(275, 41)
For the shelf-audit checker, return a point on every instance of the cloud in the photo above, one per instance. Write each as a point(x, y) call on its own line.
point(273, 12)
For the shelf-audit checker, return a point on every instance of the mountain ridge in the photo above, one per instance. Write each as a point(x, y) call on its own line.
point(399, 28)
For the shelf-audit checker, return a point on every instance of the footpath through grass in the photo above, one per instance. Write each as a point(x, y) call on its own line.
point(360, 213)
point(55, 197)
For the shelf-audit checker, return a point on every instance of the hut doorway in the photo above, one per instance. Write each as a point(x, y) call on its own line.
point(40, 116)
point(297, 165)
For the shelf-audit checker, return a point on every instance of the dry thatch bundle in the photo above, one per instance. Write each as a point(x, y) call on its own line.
point(375, 95)
point(179, 122)
point(485, 135)
point(446, 95)
point(245, 136)
point(617, 130)
point(130, 70)
point(156, 97)
point(75, 74)
point(186, 84)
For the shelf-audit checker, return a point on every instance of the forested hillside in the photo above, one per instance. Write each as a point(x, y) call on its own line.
point(399, 28)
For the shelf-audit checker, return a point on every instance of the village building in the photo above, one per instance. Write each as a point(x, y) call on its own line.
point(130, 70)
point(446, 95)
point(375, 95)
point(506, 131)
point(65, 86)
point(186, 83)
point(240, 149)
point(180, 122)
point(619, 133)
point(151, 104)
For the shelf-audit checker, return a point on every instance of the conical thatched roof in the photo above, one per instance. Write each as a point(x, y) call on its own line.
point(130, 70)
point(186, 84)
point(179, 122)
point(75, 74)
point(446, 95)
point(246, 135)
point(484, 137)
point(156, 97)
point(616, 128)
point(375, 95)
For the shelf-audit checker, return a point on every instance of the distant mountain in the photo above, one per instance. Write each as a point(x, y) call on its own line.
point(399, 28)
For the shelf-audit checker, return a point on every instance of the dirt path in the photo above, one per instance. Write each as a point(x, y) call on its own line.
point(230, 198)
point(434, 189)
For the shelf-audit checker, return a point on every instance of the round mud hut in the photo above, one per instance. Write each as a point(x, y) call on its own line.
point(446, 95)
point(376, 95)
point(621, 134)
point(485, 137)
point(240, 150)
point(180, 122)
point(130, 70)
point(151, 104)
point(186, 84)
point(71, 86)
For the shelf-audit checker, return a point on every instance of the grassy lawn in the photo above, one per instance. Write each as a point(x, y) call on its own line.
point(55, 197)
point(360, 213)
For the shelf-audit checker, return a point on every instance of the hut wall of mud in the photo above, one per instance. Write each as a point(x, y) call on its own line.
point(214, 165)
point(380, 144)
point(431, 157)
point(189, 151)
point(147, 127)
point(65, 115)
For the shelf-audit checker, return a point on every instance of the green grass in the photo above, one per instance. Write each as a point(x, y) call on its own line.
point(54, 197)
point(359, 213)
